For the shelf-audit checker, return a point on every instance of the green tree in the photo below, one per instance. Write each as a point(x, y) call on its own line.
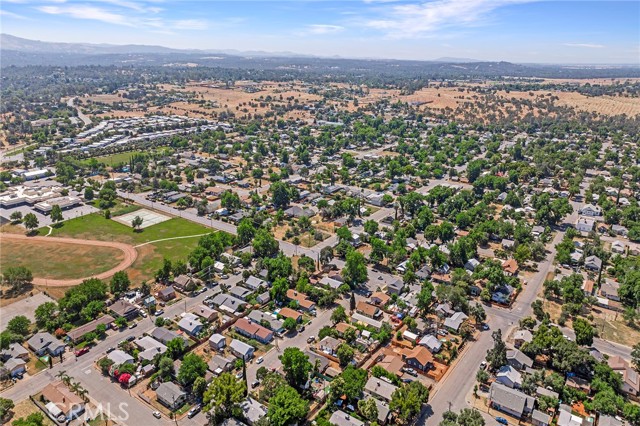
point(466, 417)
point(245, 231)
point(584, 332)
point(175, 347)
point(88, 194)
point(56, 213)
point(407, 400)
point(136, 223)
point(16, 217)
point(224, 395)
point(281, 194)
point(6, 405)
point(120, 282)
point(30, 222)
point(289, 324)
point(19, 325)
point(199, 387)
point(478, 313)
point(18, 278)
point(33, 419)
point(279, 289)
point(45, 314)
point(191, 368)
point(635, 357)
point(339, 314)
point(355, 269)
point(345, 354)
point(286, 407)
point(165, 368)
point(296, 367)
point(350, 383)
point(368, 409)
point(264, 245)
point(497, 355)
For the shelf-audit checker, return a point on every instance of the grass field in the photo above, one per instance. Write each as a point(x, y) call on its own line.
point(52, 260)
point(120, 157)
point(150, 257)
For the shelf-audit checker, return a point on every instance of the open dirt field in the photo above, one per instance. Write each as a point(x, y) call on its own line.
point(66, 261)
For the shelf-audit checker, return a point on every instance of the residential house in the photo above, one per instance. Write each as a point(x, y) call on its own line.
point(314, 359)
point(587, 287)
point(578, 383)
point(521, 337)
point(219, 364)
point(379, 388)
point(217, 342)
point(240, 292)
point(510, 401)
point(342, 327)
point(432, 343)
point(164, 336)
point(167, 294)
point(263, 298)
point(171, 395)
point(206, 313)
point(252, 410)
point(228, 303)
point(77, 334)
point(266, 320)
point(419, 358)
point(510, 267)
point(329, 345)
point(190, 324)
point(593, 263)
point(124, 309)
point(508, 244)
point(379, 298)
point(518, 360)
point(15, 366)
point(567, 418)
point(503, 294)
point(609, 289)
point(15, 350)
point(367, 321)
point(584, 224)
point(455, 321)
point(590, 210)
point(60, 401)
point(44, 343)
point(253, 331)
point(184, 283)
point(304, 302)
point(606, 420)
point(290, 313)
point(120, 357)
point(255, 283)
point(340, 418)
point(471, 264)
point(368, 310)
point(150, 348)
point(241, 349)
point(395, 286)
point(509, 376)
point(620, 230)
point(618, 247)
point(538, 418)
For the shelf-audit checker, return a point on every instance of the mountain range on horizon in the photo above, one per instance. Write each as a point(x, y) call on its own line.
point(19, 44)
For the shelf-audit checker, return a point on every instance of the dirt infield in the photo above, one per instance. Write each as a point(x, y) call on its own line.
point(130, 255)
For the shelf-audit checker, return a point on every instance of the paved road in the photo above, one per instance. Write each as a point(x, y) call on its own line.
point(26, 307)
point(85, 119)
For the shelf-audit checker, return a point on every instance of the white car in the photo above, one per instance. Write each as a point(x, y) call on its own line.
point(259, 360)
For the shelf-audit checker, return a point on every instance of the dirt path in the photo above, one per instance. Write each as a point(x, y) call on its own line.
point(169, 239)
point(130, 256)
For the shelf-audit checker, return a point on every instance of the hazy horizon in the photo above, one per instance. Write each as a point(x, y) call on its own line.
point(521, 31)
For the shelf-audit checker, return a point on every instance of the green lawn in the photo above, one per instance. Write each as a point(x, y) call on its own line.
point(120, 157)
point(150, 257)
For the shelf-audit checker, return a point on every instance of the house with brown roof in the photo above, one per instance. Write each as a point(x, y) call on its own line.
point(60, 401)
point(393, 364)
point(368, 310)
point(341, 327)
point(253, 331)
point(185, 283)
point(303, 301)
point(167, 294)
point(420, 358)
point(510, 267)
point(77, 334)
point(379, 298)
point(122, 308)
point(290, 313)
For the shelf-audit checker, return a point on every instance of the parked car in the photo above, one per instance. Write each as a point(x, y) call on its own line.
point(224, 276)
point(81, 351)
point(301, 328)
point(311, 339)
point(157, 414)
point(143, 314)
point(239, 375)
point(411, 371)
point(485, 326)
point(259, 360)
point(442, 332)
point(502, 420)
point(255, 384)
point(195, 410)
point(133, 325)
point(131, 338)
point(159, 312)
point(111, 349)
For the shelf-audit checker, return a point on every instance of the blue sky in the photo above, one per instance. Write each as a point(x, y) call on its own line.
point(522, 31)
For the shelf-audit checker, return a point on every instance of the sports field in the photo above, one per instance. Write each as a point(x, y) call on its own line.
point(150, 256)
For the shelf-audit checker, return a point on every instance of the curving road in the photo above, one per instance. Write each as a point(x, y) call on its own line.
point(130, 256)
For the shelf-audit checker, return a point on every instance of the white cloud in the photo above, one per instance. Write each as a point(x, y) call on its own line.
point(87, 12)
point(585, 45)
point(189, 24)
point(321, 29)
point(415, 20)
point(11, 14)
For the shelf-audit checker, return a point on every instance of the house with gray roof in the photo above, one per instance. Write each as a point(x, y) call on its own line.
point(510, 401)
point(264, 318)
point(378, 388)
point(455, 321)
point(538, 418)
point(217, 342)
point(150, 348)
point(190, 324)
point(163, 335)
point(228, 303)
point(45, 343)
point(518, 360)
point(219, 364)
point(240, 292)
point(340, 418)
point(432, 343)
point(255, 283)
point(14, 350)
point(120, 357)
point(252, 410)
point(171, 395)
point(509, 376)
point(241, 349)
